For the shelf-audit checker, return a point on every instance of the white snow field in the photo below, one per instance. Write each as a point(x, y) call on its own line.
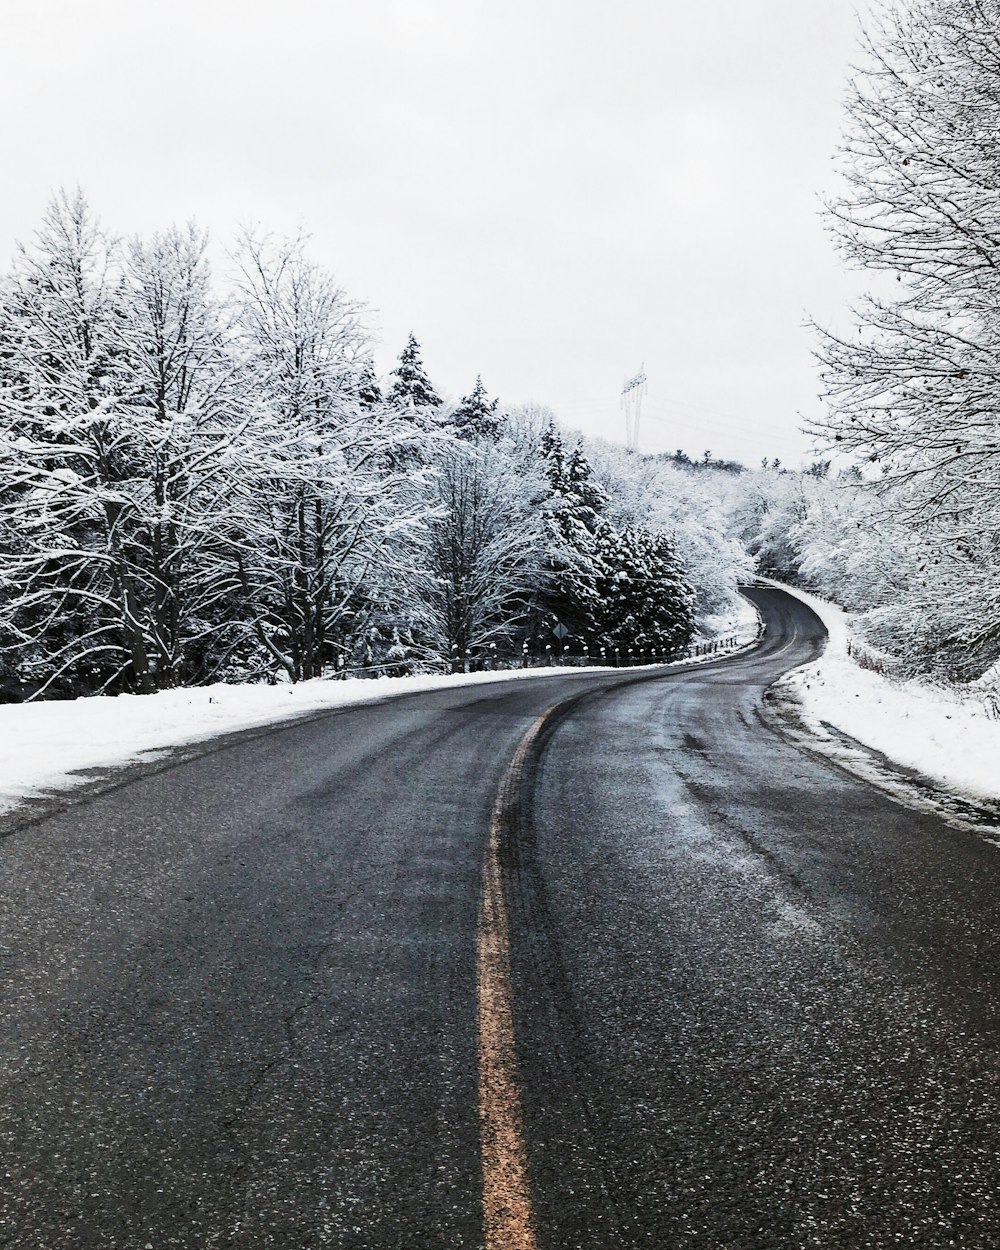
point(949, 735)
point(48, 745)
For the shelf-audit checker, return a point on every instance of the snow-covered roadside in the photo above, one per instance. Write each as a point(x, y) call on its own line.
point(46, 746)
point(946, 735)
point(743, 623)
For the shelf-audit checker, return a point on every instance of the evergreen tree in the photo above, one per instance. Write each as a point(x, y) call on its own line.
point(476, 415)
point(592, 499)
point(552, 453)
point(412, 387)
point(568, 592)
point(645, 598)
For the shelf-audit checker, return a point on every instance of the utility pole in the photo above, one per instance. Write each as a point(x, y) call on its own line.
point(632, 392)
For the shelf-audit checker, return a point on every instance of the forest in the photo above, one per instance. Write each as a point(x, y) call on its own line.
point(203, 482)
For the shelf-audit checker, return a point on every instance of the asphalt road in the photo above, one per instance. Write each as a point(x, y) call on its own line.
point(754, 1002)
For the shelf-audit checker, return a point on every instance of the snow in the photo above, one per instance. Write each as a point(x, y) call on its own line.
point(949, 735)
point(56, 744)
point(742, 623)
point(855, 715)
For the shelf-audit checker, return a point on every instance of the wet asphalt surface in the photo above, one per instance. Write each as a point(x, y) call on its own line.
point(756, 1002)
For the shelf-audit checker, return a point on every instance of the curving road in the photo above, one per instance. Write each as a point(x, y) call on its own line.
point(752, 1002)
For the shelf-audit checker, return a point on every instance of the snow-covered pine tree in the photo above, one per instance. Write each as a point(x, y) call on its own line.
point(694, 510)
point(412, 388)
point(646, 601)
point(593, 498)
point(552, 452)
point(477, 416)
point(567, 592)
point(369, 391)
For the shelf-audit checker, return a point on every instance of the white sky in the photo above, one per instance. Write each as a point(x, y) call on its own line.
point(548, 192)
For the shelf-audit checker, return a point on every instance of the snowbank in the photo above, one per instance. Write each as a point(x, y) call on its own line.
point(46, 745)
point(947, 735)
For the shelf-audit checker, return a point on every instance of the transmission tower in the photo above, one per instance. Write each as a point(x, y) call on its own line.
point(632, 393)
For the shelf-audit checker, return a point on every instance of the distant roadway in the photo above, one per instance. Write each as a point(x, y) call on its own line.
point(587, 962)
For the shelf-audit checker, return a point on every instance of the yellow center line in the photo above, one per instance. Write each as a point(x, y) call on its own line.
point(508, 1215)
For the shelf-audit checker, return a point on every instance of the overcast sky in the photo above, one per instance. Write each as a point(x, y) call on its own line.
point(548, 192)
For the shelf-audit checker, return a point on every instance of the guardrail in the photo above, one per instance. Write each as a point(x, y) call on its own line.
point(551, 657)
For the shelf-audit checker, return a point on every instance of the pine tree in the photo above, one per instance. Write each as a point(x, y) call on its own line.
point(645, 597)
point(412, 388)
point(476, 415)
point(568, 592)
point(552, 454)
point(591, 495)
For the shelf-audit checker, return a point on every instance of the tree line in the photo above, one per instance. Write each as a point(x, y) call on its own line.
point(199, 485)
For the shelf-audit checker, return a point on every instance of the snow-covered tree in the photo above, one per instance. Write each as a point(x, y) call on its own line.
point(189, 405)
point(369, 391)
point(120, 403)
point(645, 598)
point(608, 577)
point(694, 510)
point(570, 509)
point(925, 608)
point(72, 466)
point(912, 387)
point(480, 554)
point(476, 415)
point(193, 487)
point(322, 510)
point(768, 508)
point(412, 388)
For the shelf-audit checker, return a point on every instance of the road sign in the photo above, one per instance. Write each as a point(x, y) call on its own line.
point(560, 630)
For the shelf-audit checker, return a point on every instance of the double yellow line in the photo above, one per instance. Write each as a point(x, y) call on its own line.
point(508, 1213)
